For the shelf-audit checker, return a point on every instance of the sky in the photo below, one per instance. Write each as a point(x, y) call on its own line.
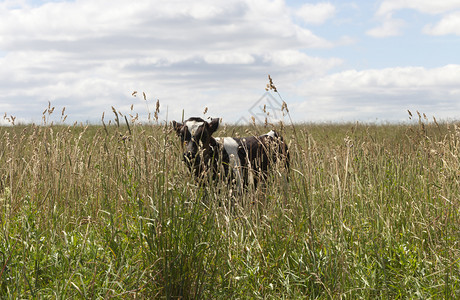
point(331, 61)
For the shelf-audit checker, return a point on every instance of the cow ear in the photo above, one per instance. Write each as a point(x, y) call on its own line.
point(213, 125)
point(177, 127)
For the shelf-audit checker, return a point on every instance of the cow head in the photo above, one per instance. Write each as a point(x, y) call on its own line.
point(195, 135)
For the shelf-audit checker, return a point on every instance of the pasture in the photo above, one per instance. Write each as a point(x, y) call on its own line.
point(367, 212)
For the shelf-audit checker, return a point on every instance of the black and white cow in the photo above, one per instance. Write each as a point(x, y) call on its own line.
point(244, 160)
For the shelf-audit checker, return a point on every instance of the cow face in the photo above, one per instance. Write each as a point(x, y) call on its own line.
point(195, 135)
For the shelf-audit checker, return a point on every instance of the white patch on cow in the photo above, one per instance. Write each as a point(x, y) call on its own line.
point(193, 126)
point(271, 133)
point(231, 147)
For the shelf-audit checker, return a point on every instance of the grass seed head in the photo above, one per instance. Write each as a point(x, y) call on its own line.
point(271, 85)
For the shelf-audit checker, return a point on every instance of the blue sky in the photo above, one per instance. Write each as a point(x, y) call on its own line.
point(332, 61)
point(409, 48)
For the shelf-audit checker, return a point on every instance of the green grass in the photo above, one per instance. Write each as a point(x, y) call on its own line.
point(367, 212)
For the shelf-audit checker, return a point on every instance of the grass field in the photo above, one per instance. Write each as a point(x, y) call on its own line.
point(366, 212)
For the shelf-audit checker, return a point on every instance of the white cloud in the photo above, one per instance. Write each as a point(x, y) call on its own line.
point(449, 9)
point(89, 55)
point(384, 94)
point(389, 27)
point(316, 13)
point(449, 24)
point(291, 58)
point(203, 24)
point(424, 6)
point(228, 57)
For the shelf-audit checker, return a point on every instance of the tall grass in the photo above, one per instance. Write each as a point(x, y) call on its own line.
point(108, 211)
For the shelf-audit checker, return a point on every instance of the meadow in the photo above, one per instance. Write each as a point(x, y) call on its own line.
point(110, 211)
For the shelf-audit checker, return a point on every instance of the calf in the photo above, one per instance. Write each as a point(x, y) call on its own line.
point(244, 160)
